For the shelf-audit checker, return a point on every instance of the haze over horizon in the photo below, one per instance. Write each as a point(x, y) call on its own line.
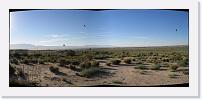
point(121, 28)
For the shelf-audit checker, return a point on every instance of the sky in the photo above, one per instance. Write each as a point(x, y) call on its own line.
point(123, 28)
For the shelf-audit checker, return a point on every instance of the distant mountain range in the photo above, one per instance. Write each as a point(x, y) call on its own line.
point(41, 47)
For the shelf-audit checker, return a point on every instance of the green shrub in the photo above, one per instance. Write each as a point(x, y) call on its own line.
point(139, 62)
point(75, 62)
point(25, 61)
point(34, 61)
point(95, 63)
point(41, 61)
point(174, 67)
point(116, 61)
point(15, 61)
point(165, 60)
point(183, 63)
point(140, 67)
point(156, 67)
point(72, 67)
point(64, 62)
point(89, 72)
point(85, 65)
point(127, 60)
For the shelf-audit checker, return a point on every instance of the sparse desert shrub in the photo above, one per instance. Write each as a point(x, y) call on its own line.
point(116, 61)
point(41, 61)
point(54, 69)
point(156, 67)
point(127, 60)
point(139, 62)
point(157, 61)
point(64, 62)
point(15, 61)
point(183, 63)
point(25, 61)
point(95, 63)
point(72, 67)
point(34, 61)
point(52, 60)
point(101, 56)
point(75, 62)
point(108, 63)
point(174, 67)
point(165, 60)
point(142, 67)
point(85, 65)
point(89, 72)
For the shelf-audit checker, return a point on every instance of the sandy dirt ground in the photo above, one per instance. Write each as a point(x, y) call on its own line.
point(123, 75)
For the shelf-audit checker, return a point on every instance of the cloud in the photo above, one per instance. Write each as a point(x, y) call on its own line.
point(51, 40)
point(56, 35)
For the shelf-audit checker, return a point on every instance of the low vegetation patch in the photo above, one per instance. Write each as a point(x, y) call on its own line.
point(89, 72)
point(89, 68)
point(15, 61)
point(54, 69)
point(95, 63)
point(73, 67)
point(85, 65)
point(174, 67)
point(64, 62)
point(155, 67)
point(142, 67)
point(183, 63)
point(139, 62)
point(127, 60)
point(116, 61)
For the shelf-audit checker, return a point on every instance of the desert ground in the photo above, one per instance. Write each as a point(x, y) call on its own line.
point(145, 66)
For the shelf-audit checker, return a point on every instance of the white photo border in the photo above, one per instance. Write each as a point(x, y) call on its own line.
point(191, 91)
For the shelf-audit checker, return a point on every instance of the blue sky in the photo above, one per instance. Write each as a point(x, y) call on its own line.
point(108, 27)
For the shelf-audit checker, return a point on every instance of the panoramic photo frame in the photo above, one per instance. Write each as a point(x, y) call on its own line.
point(85, 71)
